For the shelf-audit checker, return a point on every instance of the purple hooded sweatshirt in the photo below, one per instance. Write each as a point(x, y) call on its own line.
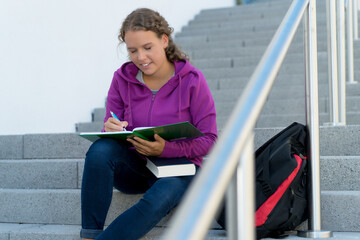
point(185, 97)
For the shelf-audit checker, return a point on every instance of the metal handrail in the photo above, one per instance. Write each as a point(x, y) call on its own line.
point(334, 77)
point(350, 41)
point(355, 15)
point(341, 61)
point(194, 216)
point(336, 55)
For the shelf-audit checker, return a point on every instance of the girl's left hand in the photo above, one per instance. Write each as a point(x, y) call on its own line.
point(148, 148)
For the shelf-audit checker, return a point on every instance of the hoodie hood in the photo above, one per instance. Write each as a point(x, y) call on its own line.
point(129, 70)
point(128, 73)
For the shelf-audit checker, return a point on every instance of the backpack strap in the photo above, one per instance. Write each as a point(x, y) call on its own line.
point(264, 177)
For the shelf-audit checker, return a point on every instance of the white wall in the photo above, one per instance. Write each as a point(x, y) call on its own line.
point(57, 57)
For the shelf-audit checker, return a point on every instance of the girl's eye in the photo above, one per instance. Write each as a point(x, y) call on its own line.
point(133, 51)
point(147, 48)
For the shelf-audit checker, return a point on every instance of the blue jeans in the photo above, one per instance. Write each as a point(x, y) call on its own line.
point(110, 164)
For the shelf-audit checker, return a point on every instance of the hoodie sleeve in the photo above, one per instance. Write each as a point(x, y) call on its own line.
point(203, 117)
point(114, 101)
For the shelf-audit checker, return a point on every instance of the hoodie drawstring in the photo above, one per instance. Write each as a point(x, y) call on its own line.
point(130, 118)
point(179, 98)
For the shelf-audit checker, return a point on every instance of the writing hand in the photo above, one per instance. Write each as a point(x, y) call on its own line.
point(148, 148)
point(114, 125)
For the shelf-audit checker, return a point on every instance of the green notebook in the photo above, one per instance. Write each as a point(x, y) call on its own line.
point(171, 132)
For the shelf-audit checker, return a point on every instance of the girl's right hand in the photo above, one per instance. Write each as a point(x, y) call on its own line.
point(114, 125)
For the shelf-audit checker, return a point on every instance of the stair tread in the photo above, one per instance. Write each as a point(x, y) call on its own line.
point(71, 232)
point(11, 231)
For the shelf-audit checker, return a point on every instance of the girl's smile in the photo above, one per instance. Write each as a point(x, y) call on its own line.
point(147, 52)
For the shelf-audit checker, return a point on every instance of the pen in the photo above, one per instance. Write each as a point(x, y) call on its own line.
point(114, 116)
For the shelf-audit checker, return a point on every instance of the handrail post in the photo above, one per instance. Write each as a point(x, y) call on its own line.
point(350, 42)
point(312, 122)
point(332, 63)
point(241, 197)
point(341, 61)
point(355, 19)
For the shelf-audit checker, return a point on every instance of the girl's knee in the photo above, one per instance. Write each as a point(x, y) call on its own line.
point(103, 145)
point(101, 151)
point(169, 191)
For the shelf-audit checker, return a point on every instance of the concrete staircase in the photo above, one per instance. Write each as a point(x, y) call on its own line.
point(40, 174)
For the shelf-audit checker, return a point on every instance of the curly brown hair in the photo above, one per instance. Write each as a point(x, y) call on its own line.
point(149, 20)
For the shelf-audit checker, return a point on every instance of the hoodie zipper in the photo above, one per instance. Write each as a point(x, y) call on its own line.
point(150, 109)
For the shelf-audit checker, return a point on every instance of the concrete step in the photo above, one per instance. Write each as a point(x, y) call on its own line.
point(288, 91)
point(242, 62)
point(241, 38)
point(63, 207)
point(251, 15)
point(290, 106)
point(231, 26)
point(336, 213)
point(41, 173)
point(18, 231)
point(340, 173)
point(283, 120)
point(286, 80)
point(188, 44)
point(267, 4)
point(247, 25)
point(283, 92)
point(221, 74)
point(249, 12)
point(242, 59)
point(71, 232)
point(10, 231)
point(71, 146)
point(43, 146)
point(249, 21)
point(203, 34)
point(283, 81)
point(332, 139)
point(284, 77)
point(98, 114)
point(247, 45)
point(89, 126)
point(67, 174)
point(218, 19)
point(272, 8)
point(336, 236)
point(248, 28)
point(255, 32)
point(52, 206)
point(242, 52)
point(230, 15)
point(247, 38)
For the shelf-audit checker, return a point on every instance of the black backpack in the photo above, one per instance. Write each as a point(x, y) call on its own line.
point(281, 183)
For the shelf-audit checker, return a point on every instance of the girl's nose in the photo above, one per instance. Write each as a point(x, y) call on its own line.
point(141, 55)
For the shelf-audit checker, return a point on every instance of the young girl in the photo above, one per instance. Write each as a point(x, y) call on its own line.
point(157, 87)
